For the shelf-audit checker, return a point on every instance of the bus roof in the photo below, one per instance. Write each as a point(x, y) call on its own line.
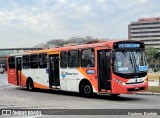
point(18, 54)
point(73, 47)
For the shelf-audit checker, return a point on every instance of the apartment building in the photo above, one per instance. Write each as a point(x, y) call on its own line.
point(146, 30)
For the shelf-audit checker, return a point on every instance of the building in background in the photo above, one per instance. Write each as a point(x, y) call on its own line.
point(146, 30)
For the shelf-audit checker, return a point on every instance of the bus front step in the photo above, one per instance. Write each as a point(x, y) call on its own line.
point(103, 93)
point(56, 87)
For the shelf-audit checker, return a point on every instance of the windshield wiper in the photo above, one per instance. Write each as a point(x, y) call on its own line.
point(124, 53)
point(129, 58)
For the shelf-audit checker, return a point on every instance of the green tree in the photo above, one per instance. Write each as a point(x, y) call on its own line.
point(153, 58)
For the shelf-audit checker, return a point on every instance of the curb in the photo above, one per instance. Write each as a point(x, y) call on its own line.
point(147, 93)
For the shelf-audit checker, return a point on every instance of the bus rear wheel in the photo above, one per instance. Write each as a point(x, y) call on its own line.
point(86, 89)
point(30, 85)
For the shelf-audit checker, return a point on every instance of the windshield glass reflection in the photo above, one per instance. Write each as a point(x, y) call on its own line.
point(130, 62)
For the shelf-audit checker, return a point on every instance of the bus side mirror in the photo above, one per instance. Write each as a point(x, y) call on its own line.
point(113, 54)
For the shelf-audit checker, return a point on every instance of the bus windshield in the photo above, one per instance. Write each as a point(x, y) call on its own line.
point(130, 62)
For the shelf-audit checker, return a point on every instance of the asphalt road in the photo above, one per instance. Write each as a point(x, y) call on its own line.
point(16, 97)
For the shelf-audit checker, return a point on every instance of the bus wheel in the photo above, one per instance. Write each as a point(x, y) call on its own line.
point(86, 89)
point(30, 85)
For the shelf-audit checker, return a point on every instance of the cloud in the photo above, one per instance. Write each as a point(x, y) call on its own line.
point(41, 20)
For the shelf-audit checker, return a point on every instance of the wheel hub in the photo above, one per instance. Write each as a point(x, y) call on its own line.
point(87, 89)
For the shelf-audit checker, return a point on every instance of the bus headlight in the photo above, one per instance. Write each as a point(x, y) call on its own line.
point(123, 83)
point(120, 82)
point(145, 81)
point(116, 80)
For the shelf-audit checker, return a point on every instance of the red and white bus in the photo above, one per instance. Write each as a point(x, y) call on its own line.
point(103, 67)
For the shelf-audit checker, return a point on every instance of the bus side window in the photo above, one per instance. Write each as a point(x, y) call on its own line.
point(87, 59)
point(64, 59)
point(73, 58)
point(11, 62)
point(25, 62)
point(43, 60)
point(34, 61)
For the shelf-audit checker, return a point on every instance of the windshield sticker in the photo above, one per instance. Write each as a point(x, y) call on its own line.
point(119, 63)
point(141, 68)
point(123, 69)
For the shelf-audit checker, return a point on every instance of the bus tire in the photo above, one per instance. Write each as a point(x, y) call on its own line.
point(86, 89)
point(30, 85)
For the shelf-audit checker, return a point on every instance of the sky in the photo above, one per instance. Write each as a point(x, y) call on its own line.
point(25, 23)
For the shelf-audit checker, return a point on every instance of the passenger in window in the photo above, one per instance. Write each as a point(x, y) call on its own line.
point(92, 55)
point(89, 63)
point(41, 62)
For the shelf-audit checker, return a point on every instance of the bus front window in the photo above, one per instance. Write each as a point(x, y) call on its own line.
point(130, 62)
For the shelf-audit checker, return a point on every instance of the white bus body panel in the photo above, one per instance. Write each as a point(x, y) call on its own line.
point(39, 76)
point(70, 79)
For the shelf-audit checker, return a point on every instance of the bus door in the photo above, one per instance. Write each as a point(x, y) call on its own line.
point(104, 70)
point(18, 70)
point(54, 79)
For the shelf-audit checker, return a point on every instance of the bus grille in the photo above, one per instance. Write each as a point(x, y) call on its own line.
point(135, 89)
point(135, 82)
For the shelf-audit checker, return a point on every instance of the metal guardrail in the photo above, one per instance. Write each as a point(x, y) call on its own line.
point(2, 49)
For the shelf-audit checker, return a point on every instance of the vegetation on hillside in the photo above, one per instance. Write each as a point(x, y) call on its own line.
point(61, 42)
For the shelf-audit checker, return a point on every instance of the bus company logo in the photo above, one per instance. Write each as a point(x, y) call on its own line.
point(63, 74)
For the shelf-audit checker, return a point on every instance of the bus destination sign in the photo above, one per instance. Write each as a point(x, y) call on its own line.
point(128, 45)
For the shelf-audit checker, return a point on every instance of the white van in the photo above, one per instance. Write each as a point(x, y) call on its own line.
point(2, 68)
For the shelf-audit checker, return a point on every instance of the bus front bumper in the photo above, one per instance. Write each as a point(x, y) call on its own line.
point(129, 89)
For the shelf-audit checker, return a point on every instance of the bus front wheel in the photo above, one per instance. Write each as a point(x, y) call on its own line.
point(30, 85)
point(86, 89)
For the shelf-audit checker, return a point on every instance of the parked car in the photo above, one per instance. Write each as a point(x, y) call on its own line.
point(2, 68)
